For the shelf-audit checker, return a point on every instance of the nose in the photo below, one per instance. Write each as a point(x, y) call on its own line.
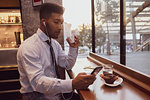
point(60, 26)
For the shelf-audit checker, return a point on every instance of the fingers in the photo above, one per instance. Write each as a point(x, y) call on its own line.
point(89, 76)
point(82, 81)
point(82, 74)
point(76, 42)
point(68, 40)
point(76, 39)
point(89, 79)
point(76, 36)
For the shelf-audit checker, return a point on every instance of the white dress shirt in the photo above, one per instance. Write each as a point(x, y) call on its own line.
point(36, 69)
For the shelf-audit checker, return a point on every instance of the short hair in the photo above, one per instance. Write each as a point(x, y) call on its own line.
point(48, 8)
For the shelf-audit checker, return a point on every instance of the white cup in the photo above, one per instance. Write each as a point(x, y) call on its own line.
point(72, 35)
point(71, 39)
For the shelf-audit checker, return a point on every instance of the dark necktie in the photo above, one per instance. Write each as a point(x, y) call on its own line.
point(53, 58)
point(56, 68)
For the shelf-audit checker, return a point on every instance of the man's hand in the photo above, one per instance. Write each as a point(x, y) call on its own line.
point(76, 43)
point(82, 81)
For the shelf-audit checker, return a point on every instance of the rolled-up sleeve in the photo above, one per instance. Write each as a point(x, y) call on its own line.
point(37, 79)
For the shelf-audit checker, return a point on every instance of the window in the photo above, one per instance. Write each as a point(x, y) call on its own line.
point(78, 21)
point(107, 17)
point(138, 28)
point(107, 33)
point(137, 32)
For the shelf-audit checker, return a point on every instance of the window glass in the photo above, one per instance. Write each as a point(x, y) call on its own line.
point(107, 16)
point(77, 19)
point(107, 34)
point(138, 35)
point(137, 32)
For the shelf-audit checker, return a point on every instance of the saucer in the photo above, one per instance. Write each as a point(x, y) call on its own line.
point(116, 82)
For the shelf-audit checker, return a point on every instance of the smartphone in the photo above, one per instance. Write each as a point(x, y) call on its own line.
point(96, 70)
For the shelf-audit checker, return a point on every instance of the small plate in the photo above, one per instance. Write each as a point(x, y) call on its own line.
point(116, 82)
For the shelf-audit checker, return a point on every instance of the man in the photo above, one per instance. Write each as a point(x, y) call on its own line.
point(39, 55)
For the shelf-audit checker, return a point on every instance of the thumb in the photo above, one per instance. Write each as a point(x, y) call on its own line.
point(68, 40)
point(82, 73)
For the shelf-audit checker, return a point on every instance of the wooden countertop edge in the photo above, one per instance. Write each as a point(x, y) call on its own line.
point(141, 85)
point(86, 95)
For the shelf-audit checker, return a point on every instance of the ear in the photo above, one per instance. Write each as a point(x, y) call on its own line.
point(43, 21)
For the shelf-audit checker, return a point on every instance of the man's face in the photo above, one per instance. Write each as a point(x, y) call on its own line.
point(55, 25)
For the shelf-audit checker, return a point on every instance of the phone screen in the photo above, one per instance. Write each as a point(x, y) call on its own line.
point(96, 70)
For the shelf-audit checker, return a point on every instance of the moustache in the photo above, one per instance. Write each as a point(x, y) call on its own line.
point(59, 31)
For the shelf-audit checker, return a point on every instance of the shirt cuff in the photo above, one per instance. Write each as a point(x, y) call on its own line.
point(66, 86)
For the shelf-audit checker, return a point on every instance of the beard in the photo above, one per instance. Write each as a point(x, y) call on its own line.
point(50, 33)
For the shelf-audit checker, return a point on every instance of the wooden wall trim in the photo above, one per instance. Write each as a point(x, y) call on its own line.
point(9, 4)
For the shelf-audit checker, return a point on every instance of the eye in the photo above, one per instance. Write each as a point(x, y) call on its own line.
point(56, 22)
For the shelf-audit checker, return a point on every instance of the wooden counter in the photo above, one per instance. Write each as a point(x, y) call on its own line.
point(98, 91)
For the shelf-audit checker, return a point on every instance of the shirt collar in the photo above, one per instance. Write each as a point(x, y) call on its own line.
point(42, 35)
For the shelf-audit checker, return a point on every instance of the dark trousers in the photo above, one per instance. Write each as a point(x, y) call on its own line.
point(75, 96)
point(33, 96)
point(40, 96)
